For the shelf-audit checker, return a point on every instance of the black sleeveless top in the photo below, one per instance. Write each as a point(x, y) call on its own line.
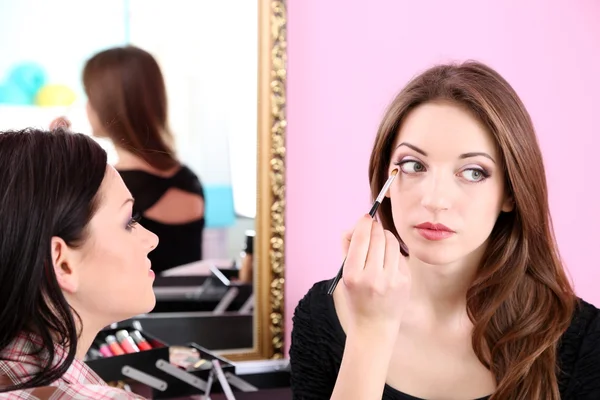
point(318, 342)
point(178, 243)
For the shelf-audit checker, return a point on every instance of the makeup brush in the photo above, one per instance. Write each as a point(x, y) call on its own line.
point(374, 208)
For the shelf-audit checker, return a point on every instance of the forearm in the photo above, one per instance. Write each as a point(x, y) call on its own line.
point(364, 368)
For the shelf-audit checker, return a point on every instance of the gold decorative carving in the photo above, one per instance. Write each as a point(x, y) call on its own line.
point(277, 164)
point(269, 270)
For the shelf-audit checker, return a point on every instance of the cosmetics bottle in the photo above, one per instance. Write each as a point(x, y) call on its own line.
point(127, 342)
point(245, 274)
point(93, 354)
point(115, 348)
point(140, 340)
point(103, 348)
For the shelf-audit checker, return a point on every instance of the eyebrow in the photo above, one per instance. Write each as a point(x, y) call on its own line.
point(465, 155)
point(129, 200)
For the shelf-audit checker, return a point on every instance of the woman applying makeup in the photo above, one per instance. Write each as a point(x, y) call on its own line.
point(72, 260)
point(481, 308)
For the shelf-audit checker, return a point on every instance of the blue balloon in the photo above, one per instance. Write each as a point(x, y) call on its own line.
point(29, 76)
point(14, 95)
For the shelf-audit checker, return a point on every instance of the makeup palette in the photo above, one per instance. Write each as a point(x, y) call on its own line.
point(129, 354)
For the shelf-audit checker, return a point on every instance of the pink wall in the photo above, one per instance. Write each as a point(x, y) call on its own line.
point(348, 58)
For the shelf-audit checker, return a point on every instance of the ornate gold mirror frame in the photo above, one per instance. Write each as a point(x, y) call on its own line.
point(270, 223)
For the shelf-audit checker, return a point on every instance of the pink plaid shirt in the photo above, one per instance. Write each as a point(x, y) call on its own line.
point(79, 382)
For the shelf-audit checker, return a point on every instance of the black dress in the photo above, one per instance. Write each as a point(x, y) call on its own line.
point(318, 346)
point(178, 243)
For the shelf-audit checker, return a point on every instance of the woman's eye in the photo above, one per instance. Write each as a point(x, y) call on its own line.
point(411, 167)
point(133, 222)
point(474, 175)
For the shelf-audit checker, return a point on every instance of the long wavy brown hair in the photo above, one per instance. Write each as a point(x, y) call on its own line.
point(126, 88)
point(521, 300)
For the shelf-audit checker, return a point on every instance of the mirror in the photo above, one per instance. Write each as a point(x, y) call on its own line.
point(224, 66)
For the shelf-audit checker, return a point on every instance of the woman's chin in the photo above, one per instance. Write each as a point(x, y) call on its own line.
point(150, 304)
point(433, 257)
point(144, 306)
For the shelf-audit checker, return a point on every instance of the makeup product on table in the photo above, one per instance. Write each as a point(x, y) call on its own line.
point(120, 385)
point(93, 354)
point(127, 342)
point(141, 342)
point(115, 348)
point(372, 212)
point(245, 273)
point(103, 348)
point(184, 357)
point(202, 364)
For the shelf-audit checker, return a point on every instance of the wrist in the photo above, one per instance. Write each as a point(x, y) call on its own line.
point(364, 366)
point(370, 330)
point(372, 336)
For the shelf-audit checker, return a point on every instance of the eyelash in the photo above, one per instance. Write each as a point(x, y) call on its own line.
point(483, 172)
point(133, 221)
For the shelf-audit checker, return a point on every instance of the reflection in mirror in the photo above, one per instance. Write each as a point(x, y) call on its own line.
point(207, 53)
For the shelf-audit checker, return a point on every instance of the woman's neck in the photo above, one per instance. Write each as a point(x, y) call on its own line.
point(85, 342)
point(87, 325)
point(439, 292)
point(88, 328)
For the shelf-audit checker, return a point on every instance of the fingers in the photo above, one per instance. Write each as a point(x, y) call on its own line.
point(359, 246)
point(377, 247)
point(346, 238)
point(60, 122)
point(374, 257)
point(391, 262)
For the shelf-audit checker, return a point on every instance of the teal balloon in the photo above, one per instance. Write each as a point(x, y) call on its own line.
point(14, 95)
point(29, 76)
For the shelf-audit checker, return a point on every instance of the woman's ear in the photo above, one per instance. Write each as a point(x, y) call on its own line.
point(62, 262)
point(509, 204)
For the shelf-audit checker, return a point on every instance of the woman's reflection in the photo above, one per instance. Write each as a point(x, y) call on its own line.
point(127, 103)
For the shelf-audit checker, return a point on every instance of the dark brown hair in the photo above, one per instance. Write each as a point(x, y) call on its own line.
point(521, 300)
point(50, 183)
point(125, 87)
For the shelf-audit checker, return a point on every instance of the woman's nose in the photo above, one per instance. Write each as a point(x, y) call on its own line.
point(151, 239)
point(436, 194)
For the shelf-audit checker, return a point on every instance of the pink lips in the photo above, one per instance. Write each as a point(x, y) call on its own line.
point(434, 231)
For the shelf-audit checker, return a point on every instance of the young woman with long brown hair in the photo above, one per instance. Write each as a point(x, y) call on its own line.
point(127, 103)
point(481, 308)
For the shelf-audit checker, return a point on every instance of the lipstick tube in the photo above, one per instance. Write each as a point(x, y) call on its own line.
point(140, 340)
point(127, 342)
point(103, 348)
point(115, 348)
